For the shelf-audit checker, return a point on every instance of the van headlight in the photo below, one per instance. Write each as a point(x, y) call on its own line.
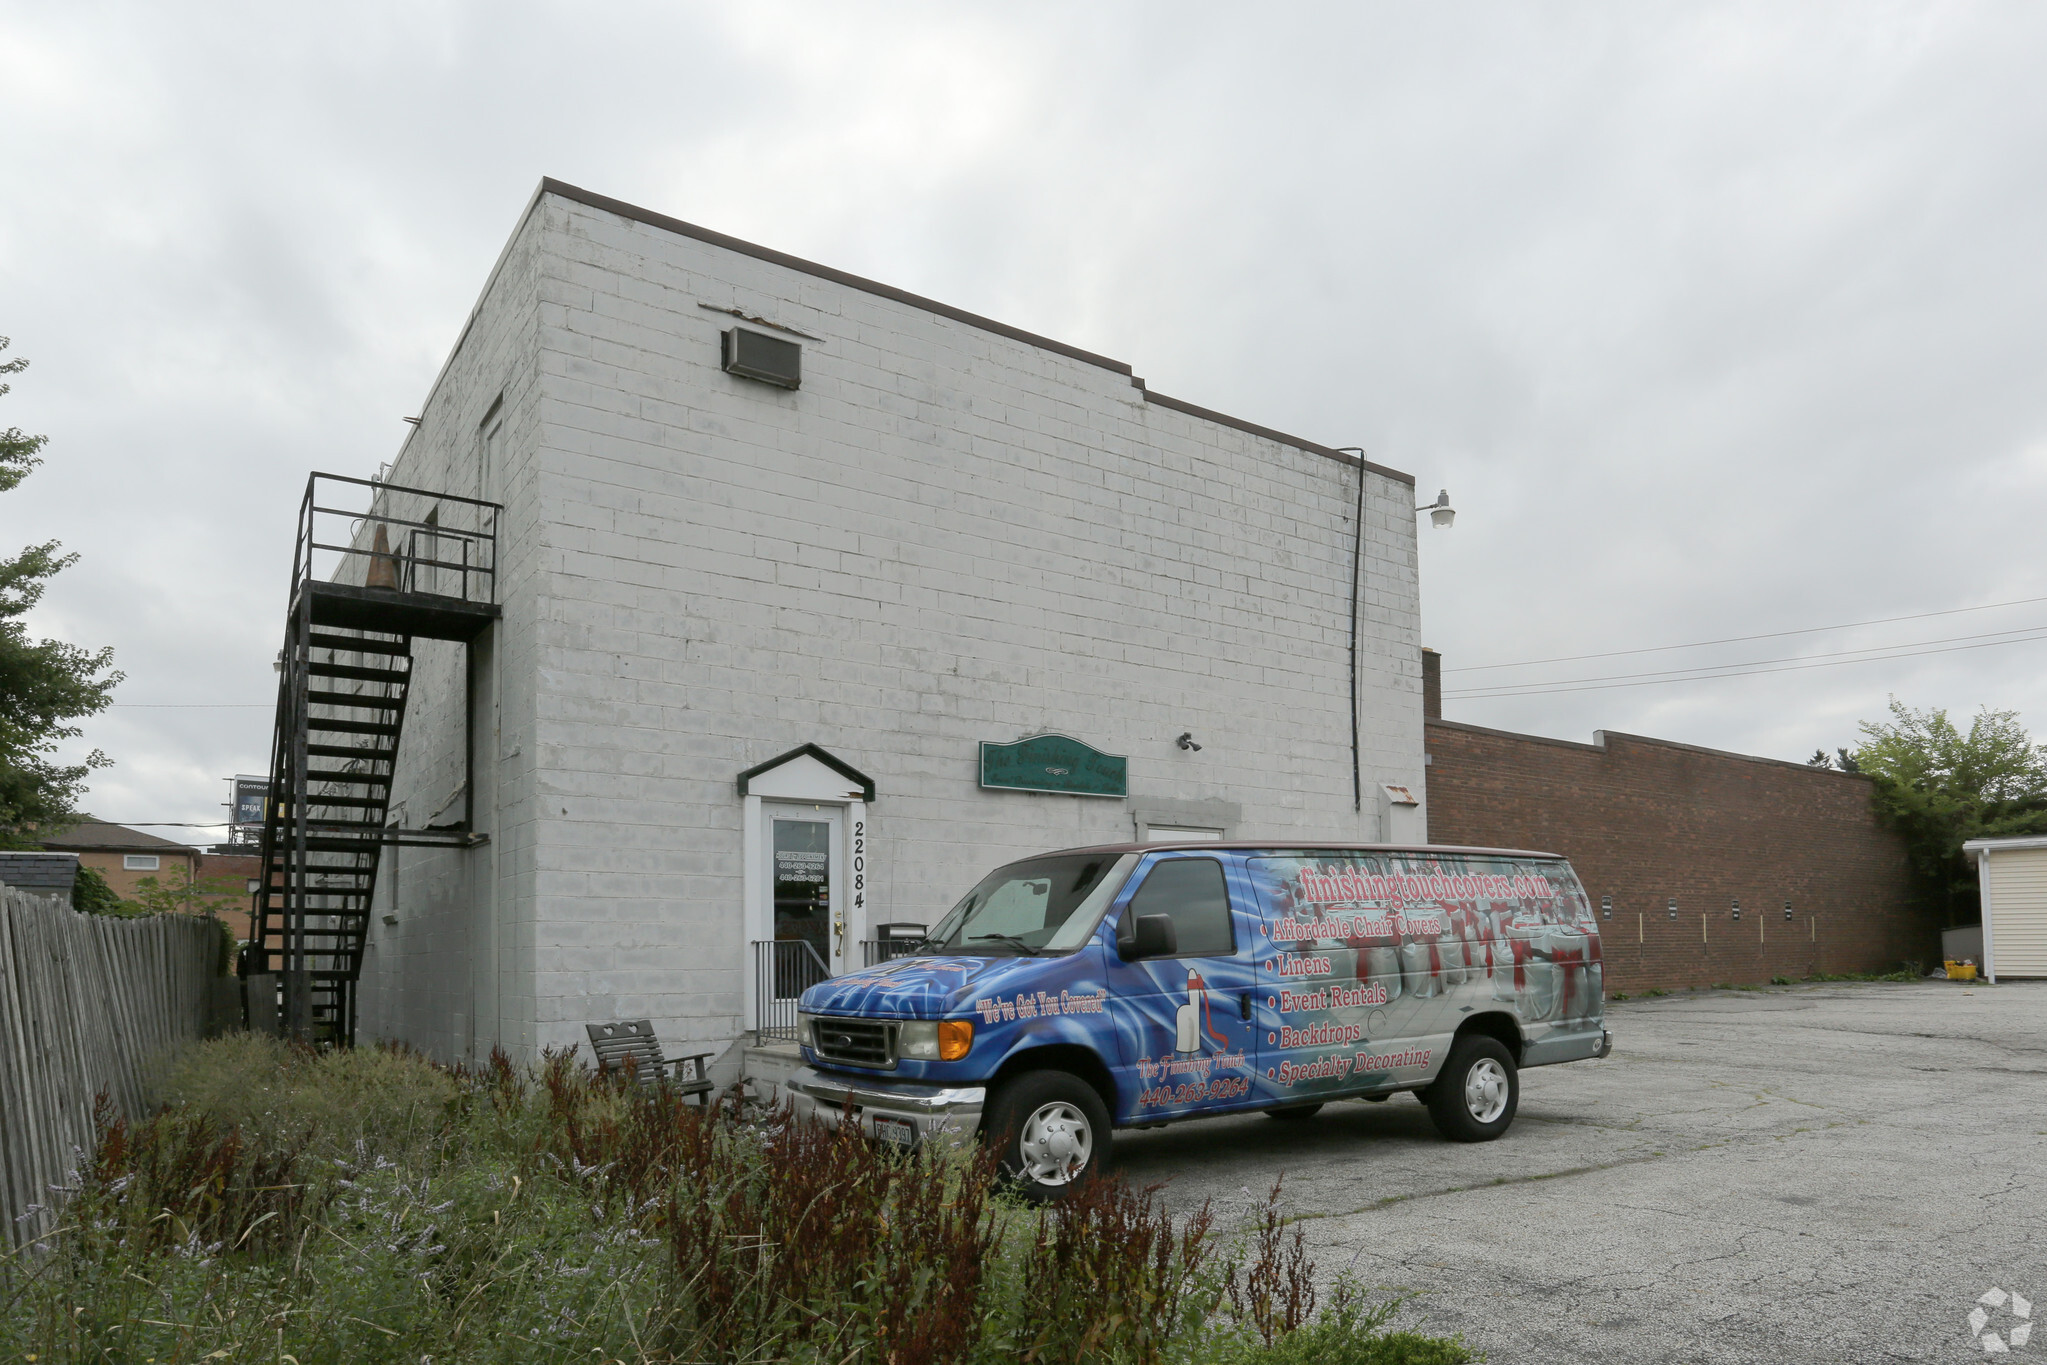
point(804, 1036)
point(928, 1040)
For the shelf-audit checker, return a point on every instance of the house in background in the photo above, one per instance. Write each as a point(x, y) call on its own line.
point(125, 856)
point(806, 601)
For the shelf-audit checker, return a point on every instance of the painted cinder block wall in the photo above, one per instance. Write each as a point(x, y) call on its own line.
point(452, 946)
point(952, 532)
point(1648, 820)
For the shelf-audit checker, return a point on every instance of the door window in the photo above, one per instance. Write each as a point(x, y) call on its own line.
point(803, 883)
point(1190, 892)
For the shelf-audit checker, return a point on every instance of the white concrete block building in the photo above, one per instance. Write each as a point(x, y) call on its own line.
point(754, 637)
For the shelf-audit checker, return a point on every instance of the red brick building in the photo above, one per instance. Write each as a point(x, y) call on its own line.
point(1648, 822)
point(125, 856)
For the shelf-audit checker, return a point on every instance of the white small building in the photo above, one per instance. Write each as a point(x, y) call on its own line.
point(2012, 877)
point(819, 600)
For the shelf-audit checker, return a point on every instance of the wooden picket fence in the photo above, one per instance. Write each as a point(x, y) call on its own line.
point(87, 1004)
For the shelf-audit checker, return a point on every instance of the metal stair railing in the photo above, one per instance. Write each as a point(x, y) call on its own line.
point(783, 969)
point(344, 676)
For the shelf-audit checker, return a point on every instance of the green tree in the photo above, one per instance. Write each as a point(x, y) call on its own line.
point(45, 685)
point(175, 896)
point(91, 895)
point(1942, 787)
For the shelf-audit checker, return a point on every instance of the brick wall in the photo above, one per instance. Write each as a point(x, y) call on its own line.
point(174, 867)
point(234, 869)
point(1646, 821)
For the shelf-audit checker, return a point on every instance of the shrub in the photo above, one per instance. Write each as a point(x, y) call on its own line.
point(1107, 1277)
point(389, 1098)
point(182, 1178)
point(91, 895)
point(369, 1206)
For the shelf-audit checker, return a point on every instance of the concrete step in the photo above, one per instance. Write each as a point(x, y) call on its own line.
point(767, 1065)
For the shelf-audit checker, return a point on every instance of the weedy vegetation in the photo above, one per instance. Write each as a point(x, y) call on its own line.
point(370, 1206)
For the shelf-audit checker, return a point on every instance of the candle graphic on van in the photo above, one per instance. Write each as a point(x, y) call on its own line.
point(1191, 1017)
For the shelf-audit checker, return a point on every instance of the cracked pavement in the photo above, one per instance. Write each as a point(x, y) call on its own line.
point(1806, 1173)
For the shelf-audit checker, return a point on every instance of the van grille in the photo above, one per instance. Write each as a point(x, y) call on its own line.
point(854, 1042)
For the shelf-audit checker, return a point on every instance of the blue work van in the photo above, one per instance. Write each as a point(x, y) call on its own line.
point(1132, 985)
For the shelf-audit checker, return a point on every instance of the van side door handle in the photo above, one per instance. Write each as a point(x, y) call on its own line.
point(1244, 1004)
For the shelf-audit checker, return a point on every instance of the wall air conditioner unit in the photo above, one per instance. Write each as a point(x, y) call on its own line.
point(756, 355)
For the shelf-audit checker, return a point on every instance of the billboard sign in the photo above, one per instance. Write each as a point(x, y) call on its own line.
point(250, 795)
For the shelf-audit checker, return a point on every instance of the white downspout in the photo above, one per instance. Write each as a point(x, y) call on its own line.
point(1983, 894)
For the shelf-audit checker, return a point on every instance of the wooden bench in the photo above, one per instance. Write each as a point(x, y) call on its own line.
point(632, 1045)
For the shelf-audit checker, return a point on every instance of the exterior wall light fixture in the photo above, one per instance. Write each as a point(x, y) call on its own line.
point(1186, 741)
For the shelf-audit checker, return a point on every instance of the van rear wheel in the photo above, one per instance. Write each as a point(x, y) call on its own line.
point(1475, 1097)
point(1050, 1130)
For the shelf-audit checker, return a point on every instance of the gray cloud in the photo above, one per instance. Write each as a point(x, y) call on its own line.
point(1715, 320)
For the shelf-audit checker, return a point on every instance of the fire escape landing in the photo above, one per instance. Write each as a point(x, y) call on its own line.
point(399, 564)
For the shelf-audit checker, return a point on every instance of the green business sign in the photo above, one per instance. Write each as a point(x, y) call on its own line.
point(1054, 763)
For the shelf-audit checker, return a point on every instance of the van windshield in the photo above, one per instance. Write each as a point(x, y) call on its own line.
point(1038, 906)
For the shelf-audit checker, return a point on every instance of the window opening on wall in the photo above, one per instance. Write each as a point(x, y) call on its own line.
point(140, 862)
point(490, 449)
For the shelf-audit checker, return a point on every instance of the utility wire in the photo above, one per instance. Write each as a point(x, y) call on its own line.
point(2030, 632)
point(1788, 668)
point(193, 705)
point(1741, 639)
point(167, 824)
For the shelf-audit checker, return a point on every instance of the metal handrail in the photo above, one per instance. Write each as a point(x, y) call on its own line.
point(401, 488)
point(474, 566)
point(295, 816)
point(875, 951)
point(783, 969)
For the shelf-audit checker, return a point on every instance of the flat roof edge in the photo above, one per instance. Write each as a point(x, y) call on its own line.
point(1470, 728)
point(1312, 447)
point(635, 213)
point(2016, 841)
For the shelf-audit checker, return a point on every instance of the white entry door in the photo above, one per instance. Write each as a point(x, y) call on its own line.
point(805, 885)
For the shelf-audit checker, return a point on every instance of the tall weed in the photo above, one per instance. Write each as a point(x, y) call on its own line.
point(369, 1206)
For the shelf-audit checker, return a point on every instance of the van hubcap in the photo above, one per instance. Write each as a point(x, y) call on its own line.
point(1485, 1090)
point(1055, 1144)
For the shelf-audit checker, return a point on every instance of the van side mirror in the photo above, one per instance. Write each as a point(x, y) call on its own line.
point(1150, 936)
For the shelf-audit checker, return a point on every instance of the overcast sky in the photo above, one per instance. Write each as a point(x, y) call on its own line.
point(1715, 320)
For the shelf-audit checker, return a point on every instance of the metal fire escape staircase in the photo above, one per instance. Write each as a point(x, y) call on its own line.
point(400, 564)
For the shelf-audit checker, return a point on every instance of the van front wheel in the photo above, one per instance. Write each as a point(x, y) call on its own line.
point(1051, 1131)
point(1475, 1097)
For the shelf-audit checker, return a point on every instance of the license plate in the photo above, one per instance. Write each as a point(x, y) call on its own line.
point(902, 1132)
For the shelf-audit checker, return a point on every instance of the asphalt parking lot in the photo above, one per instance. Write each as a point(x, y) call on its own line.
point(1810, 1173)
